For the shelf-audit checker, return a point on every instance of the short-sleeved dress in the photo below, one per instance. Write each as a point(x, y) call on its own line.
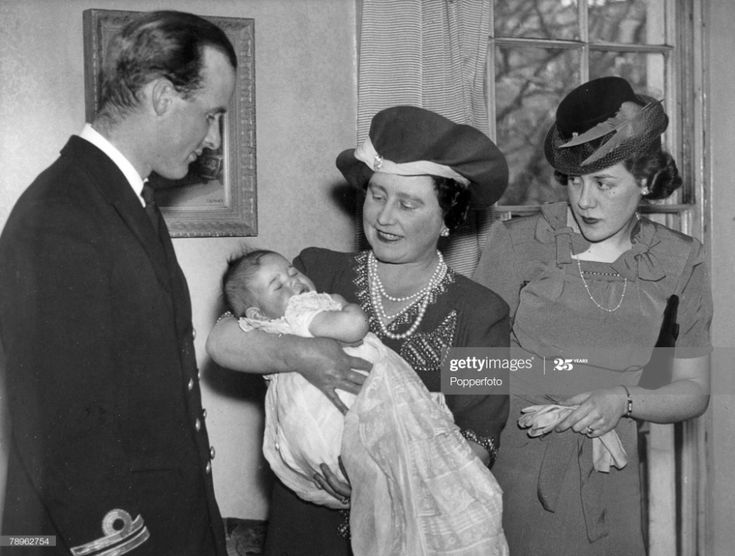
point(554, 503)
point(460, 313)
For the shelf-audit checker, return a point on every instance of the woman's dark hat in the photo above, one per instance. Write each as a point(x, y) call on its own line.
point(600, 123)
point(408, 140)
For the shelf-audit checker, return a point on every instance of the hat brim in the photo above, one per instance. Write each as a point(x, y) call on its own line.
point(358, 175)
point(355, 171)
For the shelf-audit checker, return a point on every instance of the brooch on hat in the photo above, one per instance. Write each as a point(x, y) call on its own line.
point(378, 163)
point(631, 121)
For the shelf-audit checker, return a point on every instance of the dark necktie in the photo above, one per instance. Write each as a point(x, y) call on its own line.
point(151, 209)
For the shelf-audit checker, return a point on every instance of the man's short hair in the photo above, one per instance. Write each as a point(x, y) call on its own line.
point(157, 44)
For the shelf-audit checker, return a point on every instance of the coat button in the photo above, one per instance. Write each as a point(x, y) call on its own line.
point(208, 468)
point(204, 413)
point(211, 452)
point(193, 333)
point(198, 425)
point(190, 385)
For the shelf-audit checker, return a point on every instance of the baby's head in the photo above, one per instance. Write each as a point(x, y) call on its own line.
point(260, 283)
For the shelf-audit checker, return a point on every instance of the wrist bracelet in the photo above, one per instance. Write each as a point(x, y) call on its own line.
point(629, 402)
point(484, 441)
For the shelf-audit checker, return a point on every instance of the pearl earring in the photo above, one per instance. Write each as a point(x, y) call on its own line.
point(644, 187)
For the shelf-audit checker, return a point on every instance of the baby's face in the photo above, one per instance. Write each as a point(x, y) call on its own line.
point(275, 282)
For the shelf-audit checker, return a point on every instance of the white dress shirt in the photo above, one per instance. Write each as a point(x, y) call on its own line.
point(90, 134)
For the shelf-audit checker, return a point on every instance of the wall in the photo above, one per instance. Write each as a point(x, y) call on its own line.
point(305, 112)
point(721, 488)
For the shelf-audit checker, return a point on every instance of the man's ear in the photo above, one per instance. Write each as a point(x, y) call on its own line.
point(162, 95)
point(254, 313)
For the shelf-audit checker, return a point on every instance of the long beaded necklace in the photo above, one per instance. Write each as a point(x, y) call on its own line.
point(589, 293)
point(422, 296)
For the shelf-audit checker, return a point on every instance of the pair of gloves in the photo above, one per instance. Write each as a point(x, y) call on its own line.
point(607, 450)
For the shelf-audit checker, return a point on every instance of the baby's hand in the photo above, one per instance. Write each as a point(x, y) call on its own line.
point(348, 324)
point(338, 298)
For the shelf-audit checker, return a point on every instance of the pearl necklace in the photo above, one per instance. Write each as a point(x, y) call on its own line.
point(589, 293)
point(422, 296)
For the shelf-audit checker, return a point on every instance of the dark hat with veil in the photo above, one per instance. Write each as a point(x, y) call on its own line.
point(600, 123)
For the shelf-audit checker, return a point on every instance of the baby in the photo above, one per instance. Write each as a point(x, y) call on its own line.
point(261, 285)
point(415, 481)
point(303, 428)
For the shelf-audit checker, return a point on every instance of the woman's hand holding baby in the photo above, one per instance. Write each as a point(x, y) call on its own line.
point(325, 365)
point(333, 484)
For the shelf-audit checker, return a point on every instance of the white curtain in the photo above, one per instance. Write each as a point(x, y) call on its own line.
point(428, 53)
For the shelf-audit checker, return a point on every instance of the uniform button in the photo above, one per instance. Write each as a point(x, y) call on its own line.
point(199, 374)
point(208, 468)
point(198, 425)
point(211, 452)
point(204, 413)
point(190, 385)
point(193, 333)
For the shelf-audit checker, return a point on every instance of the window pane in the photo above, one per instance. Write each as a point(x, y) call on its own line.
point(627, 21)
point(529, 84)
point(645, 72)
point(547, 19)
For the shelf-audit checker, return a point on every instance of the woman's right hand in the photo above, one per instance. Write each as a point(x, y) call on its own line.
point(325, 364)
point(321, 361)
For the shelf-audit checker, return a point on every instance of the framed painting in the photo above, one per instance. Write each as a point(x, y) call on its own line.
point(218, 197)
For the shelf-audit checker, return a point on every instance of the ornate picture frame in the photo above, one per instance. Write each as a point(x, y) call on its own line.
point(219, 195)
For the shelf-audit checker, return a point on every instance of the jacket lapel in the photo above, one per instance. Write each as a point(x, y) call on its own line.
point(137, 221)
point(114, 187)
